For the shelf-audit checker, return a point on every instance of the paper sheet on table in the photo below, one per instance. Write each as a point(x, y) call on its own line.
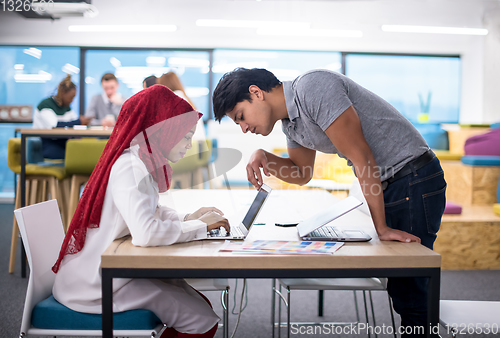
point(282, 247)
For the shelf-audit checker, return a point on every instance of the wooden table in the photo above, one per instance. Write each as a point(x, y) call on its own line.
point(201, 259)
point(48, 133)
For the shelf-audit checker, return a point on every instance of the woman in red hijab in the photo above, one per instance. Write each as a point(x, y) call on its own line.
point(154, 127)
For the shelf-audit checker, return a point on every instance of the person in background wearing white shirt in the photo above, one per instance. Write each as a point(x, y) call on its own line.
point(155, 127)
point(104, 108)
point(55, 112)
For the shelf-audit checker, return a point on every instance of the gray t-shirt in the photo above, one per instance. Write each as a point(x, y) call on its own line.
point(317, 98)
point(100, 107)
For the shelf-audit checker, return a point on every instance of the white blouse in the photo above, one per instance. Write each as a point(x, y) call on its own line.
point(48, 119)
point(130, 208)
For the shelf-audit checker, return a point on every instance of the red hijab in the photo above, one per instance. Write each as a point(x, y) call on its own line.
point(155, 111)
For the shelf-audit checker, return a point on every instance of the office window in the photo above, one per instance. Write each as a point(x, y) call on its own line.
point(424, 89)
point(286, 65)
point(132, 66)
point(27, 76)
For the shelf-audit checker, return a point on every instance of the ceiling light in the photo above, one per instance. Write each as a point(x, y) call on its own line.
point(123, 28)
point(35, 52)
point(41, 77)
point(64, 9)
point(187, 62)
point(115, 62)
point(155, 61)
point(70, 69)
point(434, 30)
point(253, 24)
point(337, 33)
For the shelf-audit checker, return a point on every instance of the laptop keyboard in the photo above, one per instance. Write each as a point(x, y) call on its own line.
point(326, 231)
point(235, 232)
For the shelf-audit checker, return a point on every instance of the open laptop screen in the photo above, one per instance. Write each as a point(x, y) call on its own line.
point(256, 206)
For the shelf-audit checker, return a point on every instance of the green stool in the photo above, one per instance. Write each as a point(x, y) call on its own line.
point(81, 158)
point(42, 184)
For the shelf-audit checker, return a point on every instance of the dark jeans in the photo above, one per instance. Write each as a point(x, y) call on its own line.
point(415, 204)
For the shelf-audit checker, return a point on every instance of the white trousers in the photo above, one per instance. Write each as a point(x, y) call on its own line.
point(176, 303)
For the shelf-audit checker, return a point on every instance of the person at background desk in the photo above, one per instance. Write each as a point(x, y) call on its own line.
point(121, 198)
point(172, 81)
point(401, 179)
point(104, 108)
point(55, 112)
point(149, 81)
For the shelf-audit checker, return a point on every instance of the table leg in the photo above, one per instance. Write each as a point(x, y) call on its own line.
point(434, 289)
point(107, 304)
point(22, 179)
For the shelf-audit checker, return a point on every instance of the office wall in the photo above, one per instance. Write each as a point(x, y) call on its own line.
point(479, 54)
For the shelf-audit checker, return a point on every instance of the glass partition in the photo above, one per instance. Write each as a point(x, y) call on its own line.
point(425, 89)
point(286, 65)
point(131, 67)
point(29, 74)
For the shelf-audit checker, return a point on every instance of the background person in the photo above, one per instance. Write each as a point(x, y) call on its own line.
point(149, 81)
point(121, 198)
point(55, 112)
point(104, 108)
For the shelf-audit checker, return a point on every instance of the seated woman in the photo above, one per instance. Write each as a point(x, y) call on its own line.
point(121, 198)
point(56, 112)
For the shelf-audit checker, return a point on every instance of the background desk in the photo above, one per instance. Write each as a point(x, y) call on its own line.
point(201, 259)
point(47, 133)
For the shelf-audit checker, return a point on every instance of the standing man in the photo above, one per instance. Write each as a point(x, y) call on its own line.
point(401, 179)
point(104, 108)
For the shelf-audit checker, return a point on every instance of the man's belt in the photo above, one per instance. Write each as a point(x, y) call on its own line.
point(417, 163)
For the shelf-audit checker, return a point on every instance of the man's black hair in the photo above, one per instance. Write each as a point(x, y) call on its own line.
point(233, 88)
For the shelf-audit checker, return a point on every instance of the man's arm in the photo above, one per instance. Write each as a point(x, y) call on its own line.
point(347, 136)
point(296, 169)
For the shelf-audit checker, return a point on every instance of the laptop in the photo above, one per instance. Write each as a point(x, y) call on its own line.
point(314, 229)
point(241, 230)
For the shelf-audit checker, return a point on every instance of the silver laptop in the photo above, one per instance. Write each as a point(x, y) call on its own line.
point(241, 230)
point(314, 229)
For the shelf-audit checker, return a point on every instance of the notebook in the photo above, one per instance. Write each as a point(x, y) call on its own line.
point(314, 229)
point(241, 230)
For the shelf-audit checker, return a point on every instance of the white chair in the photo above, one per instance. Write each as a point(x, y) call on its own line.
point(42, 233)
point(339, 284)
point(467, 317)
point(217, 284)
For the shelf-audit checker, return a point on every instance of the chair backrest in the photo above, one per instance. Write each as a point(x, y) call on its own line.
point(82, 155)
point(42, 233)
point(34, 150)
point(14, 155)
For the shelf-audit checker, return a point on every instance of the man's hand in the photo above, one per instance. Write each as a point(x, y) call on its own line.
point(108, 121)
point(202, 211)
point(116, 98)
point(389, 234)
point(257, 160)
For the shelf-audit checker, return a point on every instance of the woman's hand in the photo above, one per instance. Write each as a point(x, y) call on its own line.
point(220, 224)
point(202, 211)
point(215, 221)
